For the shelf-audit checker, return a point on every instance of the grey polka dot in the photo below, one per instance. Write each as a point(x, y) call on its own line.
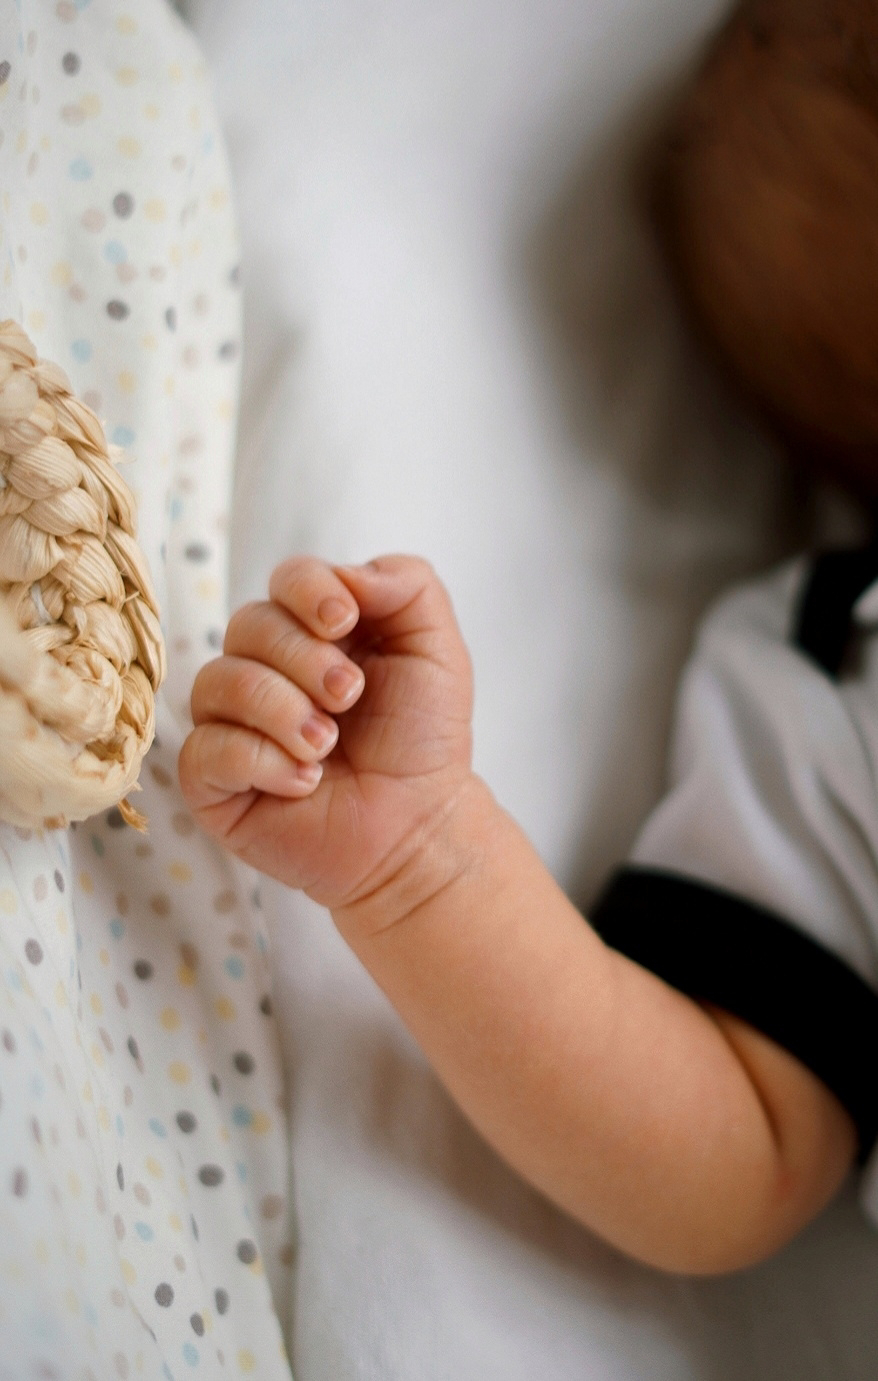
point(265, 1006)
point(59, 880)
point(214, 637)
point(186, 1122)
point(214, 1084)
point(9, 1042)
point(142, 1195)
point(133, 1049)
point(211, 1175)
point(118, 310)
point(19, 1182)
point(244, 1062)
point(120, 1176)
point(228, 350)
point(34, 951)
point(197, 551)
point(164, 1294)
point(194, 1227)
point(123, 204)
point(221, 1300)
point(71, 63)
point(115, 819)
point(143, 969)
point(235, 276)
point(171, 318)
point(5, 69)
point(197, 1323)
point(246, 1251)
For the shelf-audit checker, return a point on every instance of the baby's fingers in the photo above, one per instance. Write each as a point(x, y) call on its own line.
point(218, 761)
point(236, 690)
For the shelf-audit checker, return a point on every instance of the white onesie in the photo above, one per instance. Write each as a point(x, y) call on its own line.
point(144, 1220)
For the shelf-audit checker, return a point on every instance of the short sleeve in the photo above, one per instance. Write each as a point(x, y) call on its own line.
point(754, 885)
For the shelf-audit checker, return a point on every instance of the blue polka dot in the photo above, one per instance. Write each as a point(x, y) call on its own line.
point(234, 967)
point(117, 928)
point(81, 170)
point(35, 1041)
point(190, 1354)
point(98, 845)
point(168, 1374)
point(176, 509)
point(91, 1315)
point(144, 1232)
point(242, 1117)
point(37, 1086)
point(241, 1168)
point(13, 978)
point(120, 1124)
point(123, 436)
point(82, 350)
point(157, 1127)
point(115, 252)
point(81, 4)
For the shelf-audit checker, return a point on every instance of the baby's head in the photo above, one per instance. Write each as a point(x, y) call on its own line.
point(767, 201)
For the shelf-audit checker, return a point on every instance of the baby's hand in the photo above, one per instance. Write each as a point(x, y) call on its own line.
point(335, 728)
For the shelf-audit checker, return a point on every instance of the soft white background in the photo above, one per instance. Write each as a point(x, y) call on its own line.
point(458, 342)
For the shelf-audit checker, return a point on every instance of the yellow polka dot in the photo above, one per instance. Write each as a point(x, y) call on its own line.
point(170, 383)
point(154, 1167)
point(97, 1055)
point(104, 1117)
point(128, 146)
point(126, 24)
point(45, 143)
point(74, 1184)
point(225, 1134)
point(175, 71)
point(175, 254)
point(36, 320)
point(175, 1221)
point(8, 902)
point(195, 117)
point(39, 212)
point(149, 342)
point(207, 587)
point(261, 1123)
point(151, 111)
point(195, 248)
point(127, 76)
point(91, 103)
point(81, 1255)
point(71, 1299)
point(7, 272)
point(179, 1072)
point(128, 1272)
point(170, 1019)
point(225, 409)
point(219, 198)
point(61, 920)
point(186, 975)
point(96, 1005)
point(180, 872)
point(226, 1009)
point(60, 994)
point(86, 882)
point(7, 199)
point(87, 1093)
point(21, 141)
point(246, 1360)
point(127, 381)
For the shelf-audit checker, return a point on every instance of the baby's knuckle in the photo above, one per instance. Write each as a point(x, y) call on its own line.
point(242, 621)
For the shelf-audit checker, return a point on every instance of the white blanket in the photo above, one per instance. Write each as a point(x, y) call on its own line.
point(458, 342)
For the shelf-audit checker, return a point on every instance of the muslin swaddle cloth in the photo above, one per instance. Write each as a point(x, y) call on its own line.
point(144, 1221)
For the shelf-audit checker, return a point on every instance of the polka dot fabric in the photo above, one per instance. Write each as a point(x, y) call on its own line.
point(144, 1221)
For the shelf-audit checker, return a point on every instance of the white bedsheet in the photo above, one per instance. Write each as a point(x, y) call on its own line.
point(458, 342)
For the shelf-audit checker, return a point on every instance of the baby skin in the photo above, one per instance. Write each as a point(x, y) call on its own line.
point(332, 751)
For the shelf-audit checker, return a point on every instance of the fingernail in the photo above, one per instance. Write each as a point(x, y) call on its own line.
point(310, 772)
point(342, 681)
point(319, 732)
point(334, 613)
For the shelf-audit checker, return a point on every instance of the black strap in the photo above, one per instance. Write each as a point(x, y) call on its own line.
point(719, 948)
point(823, 620)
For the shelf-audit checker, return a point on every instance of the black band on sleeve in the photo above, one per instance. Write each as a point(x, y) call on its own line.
point(721, 949)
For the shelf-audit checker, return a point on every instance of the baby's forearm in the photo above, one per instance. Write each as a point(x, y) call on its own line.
point(687, 1141)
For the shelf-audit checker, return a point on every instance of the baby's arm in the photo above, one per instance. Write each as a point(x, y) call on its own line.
point(679, 1134)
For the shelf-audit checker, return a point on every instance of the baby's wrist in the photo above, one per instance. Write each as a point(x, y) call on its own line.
point(450, 846)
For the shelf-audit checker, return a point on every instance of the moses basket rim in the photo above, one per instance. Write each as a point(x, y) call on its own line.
point(81, 648)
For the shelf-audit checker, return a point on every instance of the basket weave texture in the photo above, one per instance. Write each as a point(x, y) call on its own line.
point(81, 650)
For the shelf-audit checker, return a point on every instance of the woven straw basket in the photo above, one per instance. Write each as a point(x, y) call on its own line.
point(81, 651)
